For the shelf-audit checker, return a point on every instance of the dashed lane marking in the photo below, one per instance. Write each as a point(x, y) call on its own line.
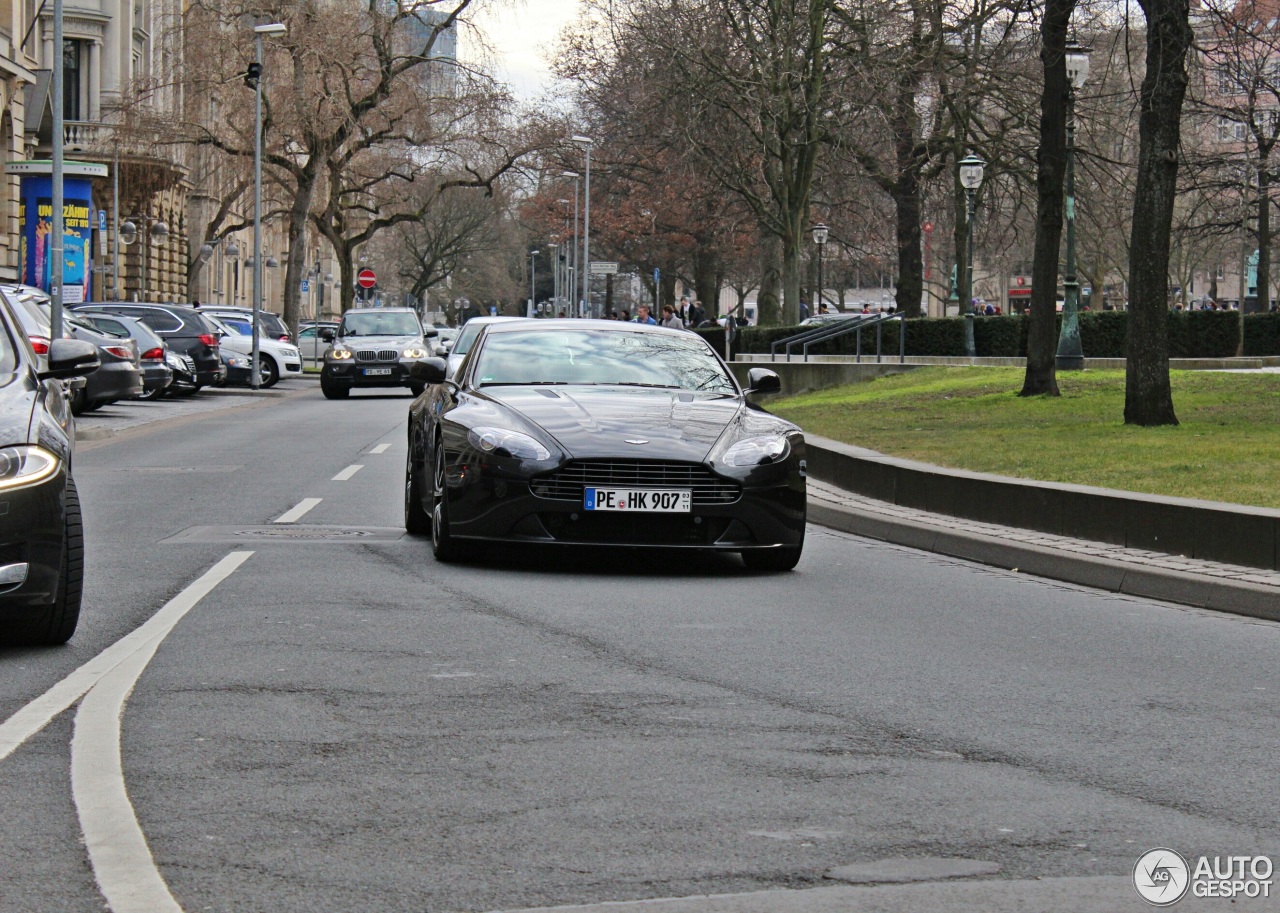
point(294, 514)
point(381, 448)
point(348, 472)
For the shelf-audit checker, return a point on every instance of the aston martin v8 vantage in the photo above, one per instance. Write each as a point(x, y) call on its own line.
point(584, 432)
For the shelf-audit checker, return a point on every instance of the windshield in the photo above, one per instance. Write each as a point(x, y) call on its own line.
point(470, 330)
point(602, 356)
point(380, 323)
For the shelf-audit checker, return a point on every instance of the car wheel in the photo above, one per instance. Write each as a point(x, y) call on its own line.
point(442, 544)
point(332, 390)
point(268, 373)
point(58, 621)
point(151, 394)
point(416, 519)
point(774, 559)
point(416, 389)
point(79, 402)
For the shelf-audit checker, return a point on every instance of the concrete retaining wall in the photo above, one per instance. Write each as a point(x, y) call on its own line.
point(799, 377)
point(1206, 530)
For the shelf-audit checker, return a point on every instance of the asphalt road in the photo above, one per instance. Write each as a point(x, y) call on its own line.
point(342, 724)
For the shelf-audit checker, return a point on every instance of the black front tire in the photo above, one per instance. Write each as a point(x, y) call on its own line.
point(416, 519)
point(774, 559)
point(57, 622)
point(333, 390)
point(443, 545)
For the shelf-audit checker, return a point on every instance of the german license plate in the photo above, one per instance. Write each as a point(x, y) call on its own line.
point(189, 363)
point(377, 372)
point(637, 500)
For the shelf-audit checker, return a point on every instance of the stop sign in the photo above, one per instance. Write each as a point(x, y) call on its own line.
point(367, 278)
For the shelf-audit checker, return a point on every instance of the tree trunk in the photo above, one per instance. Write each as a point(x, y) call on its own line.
point(768, 303)
point(906, 198)
point(704, 274)
point(791, 270)
point(1148, 399)
point(297, 261)
point(1264, 240)
point(1042, 329)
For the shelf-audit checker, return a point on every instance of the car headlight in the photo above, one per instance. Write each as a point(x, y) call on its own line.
point(502, 442)
point(415, 352)
point(339, 354)
point(754, 451)
point(237, 361)
point(25, 465)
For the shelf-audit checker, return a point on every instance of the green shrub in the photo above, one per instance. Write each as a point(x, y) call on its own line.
point(1262, 334)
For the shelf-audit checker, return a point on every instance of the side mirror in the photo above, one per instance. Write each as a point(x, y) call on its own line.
point(432, 333)
point(327, 334)
point(71, 358)
point(762, 380)
point(428, 370)
point(440, 352)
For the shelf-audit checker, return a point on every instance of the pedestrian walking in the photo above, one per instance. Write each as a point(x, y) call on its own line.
point(697, 314)
point(642, 316)
point(670, 318)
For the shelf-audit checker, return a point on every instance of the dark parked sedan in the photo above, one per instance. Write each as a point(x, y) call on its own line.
point(156, 374)
point(119, 374)
point(187, 333)
point(584, 432)
point(41, 539)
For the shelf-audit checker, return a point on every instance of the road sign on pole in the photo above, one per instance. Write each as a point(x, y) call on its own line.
point(367, 278)
point(603, 267)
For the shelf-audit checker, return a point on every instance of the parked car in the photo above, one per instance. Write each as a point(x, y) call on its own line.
point(156, 373)
point(41, 533)
point(445, 338)
point(466, 337)
point(269, 324)
point(119, 375)
point(373, 347)
point(310, 344)
point(188, 334)
point(279, 359)
point(239, 370)
point(593, 432)
point(35, 325)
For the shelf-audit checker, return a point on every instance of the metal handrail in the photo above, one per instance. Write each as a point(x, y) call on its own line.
point(853, 324)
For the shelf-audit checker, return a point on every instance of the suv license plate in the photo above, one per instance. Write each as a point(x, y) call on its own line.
point(377, 372)
point(639, 500)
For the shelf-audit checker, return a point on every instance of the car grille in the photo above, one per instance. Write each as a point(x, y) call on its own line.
point(567, 483)
point(377, 354)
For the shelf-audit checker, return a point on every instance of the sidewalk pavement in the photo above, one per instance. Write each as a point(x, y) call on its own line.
point(1171, 578)
point(127, 414)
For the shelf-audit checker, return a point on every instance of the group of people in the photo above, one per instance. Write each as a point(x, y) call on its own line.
point(687, 315)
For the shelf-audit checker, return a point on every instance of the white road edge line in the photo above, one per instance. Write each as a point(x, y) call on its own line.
point(381, 448)
point(294, 514)
point(122, 862)
point(348, 472)
point(37, 714)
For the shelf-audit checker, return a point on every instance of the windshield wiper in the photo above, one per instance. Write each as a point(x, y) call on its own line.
point(631, 383)
point(524, 383)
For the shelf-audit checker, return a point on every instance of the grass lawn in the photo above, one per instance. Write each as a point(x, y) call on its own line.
point(1226, 449)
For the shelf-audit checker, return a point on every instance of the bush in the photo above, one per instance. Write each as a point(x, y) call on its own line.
point(1262, 334)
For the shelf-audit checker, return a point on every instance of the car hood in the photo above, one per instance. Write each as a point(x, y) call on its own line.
point(17, 402)
point(595, 422)
point(379, 342)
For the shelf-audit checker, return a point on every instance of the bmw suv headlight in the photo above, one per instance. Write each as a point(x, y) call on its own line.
point(502, 442)
point(754, 451)
point(25, 465)
point(340, 354)
point(415, 352)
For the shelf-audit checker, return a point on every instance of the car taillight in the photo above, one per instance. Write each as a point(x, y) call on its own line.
point(209, 339)
point(40, 344)
point(119, 351)
point(156, 354)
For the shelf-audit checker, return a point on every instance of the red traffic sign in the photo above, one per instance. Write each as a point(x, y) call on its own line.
point(367, 278)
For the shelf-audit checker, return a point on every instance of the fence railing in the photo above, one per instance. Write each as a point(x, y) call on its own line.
point(843, 326)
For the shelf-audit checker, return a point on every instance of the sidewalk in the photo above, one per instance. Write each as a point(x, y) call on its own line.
point(1137, 572)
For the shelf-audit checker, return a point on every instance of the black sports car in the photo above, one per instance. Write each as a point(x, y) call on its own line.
point(592, 432)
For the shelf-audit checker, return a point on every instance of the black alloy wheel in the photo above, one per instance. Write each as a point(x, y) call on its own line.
point(775, 560)
point(57, 621)
point(442, 544)
point(416, 519)
point(268, 373)
point(332, 390)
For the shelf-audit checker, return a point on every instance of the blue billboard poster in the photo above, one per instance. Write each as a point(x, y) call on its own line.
point(35, 215)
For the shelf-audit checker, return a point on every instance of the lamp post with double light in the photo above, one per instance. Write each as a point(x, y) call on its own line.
point(584, 269)
point(971, 172)
point(154, 233)
point(274, 29)
point(1070, 352)
point(533, 281)
point(820, 233)
point(225, 248)
point(572, 265)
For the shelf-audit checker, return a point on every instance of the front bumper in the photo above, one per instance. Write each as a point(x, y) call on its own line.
point(487, 504)
point(32, 531)
point(357, 374)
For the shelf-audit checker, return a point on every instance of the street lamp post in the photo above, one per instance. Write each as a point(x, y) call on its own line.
point(971, 168)
point(572, 266)
point(584, 271)
point(533, 284)
point(56, 238)
point(228, 250)
point(820, 232)
point(154, 232)
point(275, 28)
point(1070, 352)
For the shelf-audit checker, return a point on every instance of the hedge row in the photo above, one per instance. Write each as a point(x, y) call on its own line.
point(1192, 334)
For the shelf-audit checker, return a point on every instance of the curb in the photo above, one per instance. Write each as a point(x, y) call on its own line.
point(1106, 574)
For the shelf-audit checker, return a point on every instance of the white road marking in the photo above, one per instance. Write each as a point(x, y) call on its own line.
point(348, 472)
point(294, 514)
point(381, 448)
point(34, 716)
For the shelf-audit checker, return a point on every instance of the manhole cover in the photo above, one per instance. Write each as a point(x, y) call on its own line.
point(286, 532)
point(283, 533)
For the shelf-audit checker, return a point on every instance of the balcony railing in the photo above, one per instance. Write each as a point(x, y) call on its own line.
point(82, 134)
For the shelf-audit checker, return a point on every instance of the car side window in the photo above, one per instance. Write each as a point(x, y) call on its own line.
point(160, 321)
point(8, 351)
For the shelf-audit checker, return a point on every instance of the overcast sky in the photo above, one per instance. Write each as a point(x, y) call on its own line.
point(523, 34)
